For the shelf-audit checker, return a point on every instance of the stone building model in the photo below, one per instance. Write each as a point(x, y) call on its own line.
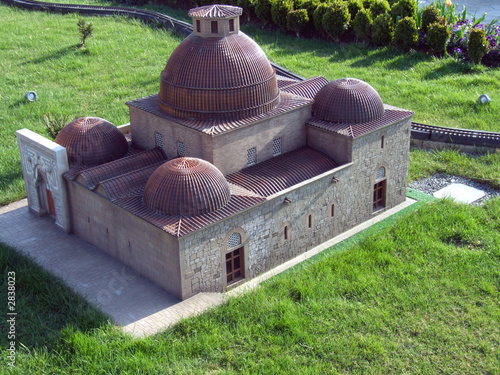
point(227, 172)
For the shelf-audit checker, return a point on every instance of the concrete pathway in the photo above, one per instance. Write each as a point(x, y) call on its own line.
point(133, 302)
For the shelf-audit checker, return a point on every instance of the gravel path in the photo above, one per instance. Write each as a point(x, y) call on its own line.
point(432, 184)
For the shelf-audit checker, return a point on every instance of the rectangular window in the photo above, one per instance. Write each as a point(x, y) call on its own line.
point(234, 265)
point(382, 142)
point(198, 26)
point(252, 156)
point(285, 233)
point(181, 150)
point(215, 27)
point(309, 221)
point(277, 146)
point(231, 25)
point(379, 195)
point(332, 210)
point(159, 140)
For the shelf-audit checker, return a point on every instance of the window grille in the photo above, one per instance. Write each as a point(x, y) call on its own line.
point(181, 149)
point(234, 240)
point(215, 27)
point(159, 140)
point(231, 25)
point(380, 173)
point(277, 146)
point(252, 156)
point(234, 265)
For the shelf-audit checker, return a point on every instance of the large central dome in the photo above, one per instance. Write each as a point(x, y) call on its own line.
point(214, 74)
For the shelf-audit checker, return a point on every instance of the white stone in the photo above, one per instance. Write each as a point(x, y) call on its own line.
point(461, 193)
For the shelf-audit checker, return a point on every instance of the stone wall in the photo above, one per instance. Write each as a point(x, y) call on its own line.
point(202, 254)
point(138, 244)
point(339, 148)
point(44, 162)
point(227, 151)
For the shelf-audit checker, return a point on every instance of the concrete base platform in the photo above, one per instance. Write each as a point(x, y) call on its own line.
point(460, 193)
point(133, 302)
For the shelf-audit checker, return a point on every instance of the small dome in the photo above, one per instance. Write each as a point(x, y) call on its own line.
point(347, 101)
point(92, 141)
point(186, 186)
point(226, 78)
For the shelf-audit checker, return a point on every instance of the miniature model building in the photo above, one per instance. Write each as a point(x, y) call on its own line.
point(226, 173)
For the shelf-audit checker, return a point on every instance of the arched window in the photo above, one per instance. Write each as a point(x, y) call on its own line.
point(234, 259)
point(380, 173)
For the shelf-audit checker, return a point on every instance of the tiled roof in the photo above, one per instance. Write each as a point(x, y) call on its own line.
point(180, 226)
point(138, 160)
point(215, 11)
point(283, 171)
point(92, 141)
point(308, 88)
point(355, 130)
point(128, 184)
point(285, 81)
point(219, 126)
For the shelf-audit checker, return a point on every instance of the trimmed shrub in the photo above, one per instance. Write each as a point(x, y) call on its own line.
point(354, 7)
point(248, 7)
point(438, 36)
point(367, 3)
point(362, 25)
point(383, 29)
point(379, 7)
point(309, 5)
point(279, 11)
point(429, 16)
point(478, 45)
point(336, 19)
point(406, 34)
point(263, 10)
point(318, 17)
point(404, 8)
point(297, 20)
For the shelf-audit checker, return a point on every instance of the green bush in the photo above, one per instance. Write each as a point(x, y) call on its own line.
point(379, 7)
point(336, 19)
point(279, 11)
point(429, 16)
point(354, 7)
point(438, 36)
point(248, 7)
point(404, 8)
point(478, 45)
point(367, 3)
point(54, 123)
point(297, 20)
point(309, 5)
point(263, 10)
point(318, 17)
point(362, 25)
point(383, 29)
point(406, 34)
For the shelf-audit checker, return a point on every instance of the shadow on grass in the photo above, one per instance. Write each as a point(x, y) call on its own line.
point(57, 54)
point(452, 66)
point(44, 305)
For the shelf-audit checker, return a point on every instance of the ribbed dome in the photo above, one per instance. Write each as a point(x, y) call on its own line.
point(347, 101)
point(92, 141)
point(186, 186)
point(218, 77)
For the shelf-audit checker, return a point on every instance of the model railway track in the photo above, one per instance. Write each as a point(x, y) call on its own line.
point(421, 132)
point(465, 137)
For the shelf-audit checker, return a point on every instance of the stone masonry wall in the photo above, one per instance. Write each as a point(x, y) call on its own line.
point(202, 254)
point(138, 244)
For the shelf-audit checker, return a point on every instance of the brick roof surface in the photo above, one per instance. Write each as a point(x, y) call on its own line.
point(213, 127)
point(306, 89)
point(356, 130)
point(215, 11)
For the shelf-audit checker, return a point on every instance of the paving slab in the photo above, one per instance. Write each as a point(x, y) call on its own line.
point(460, 192)
point(136, 304)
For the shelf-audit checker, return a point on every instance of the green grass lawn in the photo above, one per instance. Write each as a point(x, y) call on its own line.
point(416, 295)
